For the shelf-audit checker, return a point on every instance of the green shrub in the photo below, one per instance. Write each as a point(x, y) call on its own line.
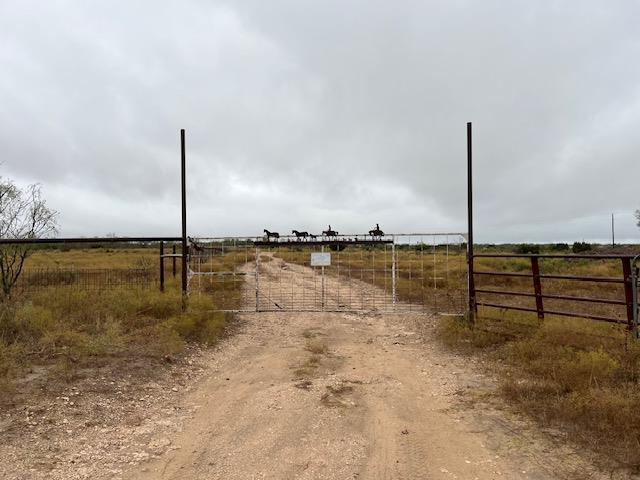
point(33, 321)
point(61, 323)
point(460, 333)
point(579, 247)
point(526, 248)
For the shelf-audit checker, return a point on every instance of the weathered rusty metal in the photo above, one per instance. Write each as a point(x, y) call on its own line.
point(552, 296)
point(628, 290)
point(627, 280)
point(537, 287)
point(552, 255)
point(554, 312)
point(554, 277)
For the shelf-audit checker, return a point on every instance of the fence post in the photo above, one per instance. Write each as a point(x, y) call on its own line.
point(634, 294)
point(257, 279)
point(173, 260)
point(537, 287)
point(322, 284)
point(628, 290)
point(185, 247)
point(162, 266)
point(473, 308)
point(394, 271)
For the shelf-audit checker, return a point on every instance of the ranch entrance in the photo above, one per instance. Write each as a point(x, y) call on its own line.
point(350, 273)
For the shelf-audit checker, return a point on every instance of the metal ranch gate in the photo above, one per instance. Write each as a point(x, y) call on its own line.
point(391, 273)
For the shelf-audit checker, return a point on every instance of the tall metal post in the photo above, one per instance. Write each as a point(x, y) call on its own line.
point(472, 288)
point(184, 214)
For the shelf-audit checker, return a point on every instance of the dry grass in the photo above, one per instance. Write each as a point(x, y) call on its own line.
point(308, 368)
point(93, 258)
point(67, 328)
point(579, 375)
point(334, 396)
point(578, 267)
point(317, 347)
point(423, 277)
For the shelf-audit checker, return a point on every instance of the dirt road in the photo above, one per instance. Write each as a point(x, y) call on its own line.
point(351, 396)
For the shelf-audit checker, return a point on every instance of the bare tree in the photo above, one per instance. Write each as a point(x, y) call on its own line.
point(23, 214)
point(638, 217)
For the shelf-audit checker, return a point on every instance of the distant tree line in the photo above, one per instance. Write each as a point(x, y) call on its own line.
point(534, 248)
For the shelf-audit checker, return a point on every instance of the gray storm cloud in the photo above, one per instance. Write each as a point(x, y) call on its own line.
point(302, 113)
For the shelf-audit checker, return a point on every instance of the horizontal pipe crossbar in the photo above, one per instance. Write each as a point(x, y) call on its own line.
point(44, 241)
point(553, 296)
point(302, 243)
point(555, 277)
point(551, 255)
point(554, 312)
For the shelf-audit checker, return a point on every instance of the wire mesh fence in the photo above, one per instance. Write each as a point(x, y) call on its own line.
point(392, 273)
point(86, 278)
point(224, 268)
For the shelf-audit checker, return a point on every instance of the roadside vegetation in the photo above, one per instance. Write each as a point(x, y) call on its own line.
point(66, 328)
point(97, 256)
point(577, 375)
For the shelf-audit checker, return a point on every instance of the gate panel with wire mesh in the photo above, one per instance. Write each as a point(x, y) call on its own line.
point(397, 273)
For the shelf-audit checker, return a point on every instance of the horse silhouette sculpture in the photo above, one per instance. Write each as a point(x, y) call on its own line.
point(329, 232)
point(300, 235)
point(271, 235)
point(376, 232)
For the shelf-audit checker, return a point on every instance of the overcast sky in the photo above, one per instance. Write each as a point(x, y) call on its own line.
point(304, 113)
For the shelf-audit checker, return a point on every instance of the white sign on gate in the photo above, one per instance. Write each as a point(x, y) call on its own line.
point(320, 259)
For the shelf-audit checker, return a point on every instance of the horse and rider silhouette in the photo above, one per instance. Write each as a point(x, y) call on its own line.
point(375, 233)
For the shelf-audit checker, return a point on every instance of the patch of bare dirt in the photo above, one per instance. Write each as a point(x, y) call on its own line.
point(98, 423)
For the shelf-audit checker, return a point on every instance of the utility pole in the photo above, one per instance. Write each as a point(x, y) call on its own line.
point(613, 231)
